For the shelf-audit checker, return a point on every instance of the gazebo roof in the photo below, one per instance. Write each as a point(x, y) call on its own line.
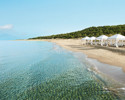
point(117, 36)
point(102, 37)
point(92, 38)
point(85, 38)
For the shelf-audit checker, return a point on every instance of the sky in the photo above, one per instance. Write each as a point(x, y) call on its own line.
point(30, 18)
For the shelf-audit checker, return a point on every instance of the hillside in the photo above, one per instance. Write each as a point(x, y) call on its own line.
point(92, 31)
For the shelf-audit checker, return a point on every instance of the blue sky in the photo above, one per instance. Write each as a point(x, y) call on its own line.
point(29, 18)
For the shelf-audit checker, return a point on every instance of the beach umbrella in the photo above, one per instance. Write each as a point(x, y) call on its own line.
point(102, 38)
point(117, 37)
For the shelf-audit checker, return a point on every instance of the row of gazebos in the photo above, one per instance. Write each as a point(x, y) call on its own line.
point(103, 40)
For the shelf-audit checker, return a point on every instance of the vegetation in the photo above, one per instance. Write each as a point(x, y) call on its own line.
point(92, 31)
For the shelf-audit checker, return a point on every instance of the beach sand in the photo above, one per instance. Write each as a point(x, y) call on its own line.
point(109, 55)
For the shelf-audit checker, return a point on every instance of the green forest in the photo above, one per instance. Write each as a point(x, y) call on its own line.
point(91, 31)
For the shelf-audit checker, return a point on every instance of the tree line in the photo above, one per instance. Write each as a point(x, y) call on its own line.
point(91, 31)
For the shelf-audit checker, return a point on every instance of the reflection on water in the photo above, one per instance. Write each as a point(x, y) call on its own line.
point(43, 71)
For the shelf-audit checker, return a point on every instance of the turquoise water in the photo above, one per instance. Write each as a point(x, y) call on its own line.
point(34, 70)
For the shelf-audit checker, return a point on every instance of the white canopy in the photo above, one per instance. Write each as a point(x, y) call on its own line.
point(85, 38)
point(102, 37)
point(117, 37)
point(92, 38)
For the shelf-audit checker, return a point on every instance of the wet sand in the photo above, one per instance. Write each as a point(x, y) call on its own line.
point(110, 72)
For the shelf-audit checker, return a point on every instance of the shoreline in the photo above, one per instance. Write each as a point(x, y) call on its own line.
point(107, 55)
point(113, 73)
point(102, 57)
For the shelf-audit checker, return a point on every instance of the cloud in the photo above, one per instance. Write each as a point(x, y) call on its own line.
point(6, 27)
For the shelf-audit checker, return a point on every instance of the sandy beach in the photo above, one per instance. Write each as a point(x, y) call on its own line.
point(109, 55)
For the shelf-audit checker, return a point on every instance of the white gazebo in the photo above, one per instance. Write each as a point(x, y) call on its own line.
point(85, 39)
point(92, 39)
point(102, 39)
point(116, 38)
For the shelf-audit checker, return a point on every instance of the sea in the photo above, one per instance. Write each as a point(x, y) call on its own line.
point(37, 70)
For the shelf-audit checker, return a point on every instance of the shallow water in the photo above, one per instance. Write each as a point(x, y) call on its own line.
point(35, 70)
